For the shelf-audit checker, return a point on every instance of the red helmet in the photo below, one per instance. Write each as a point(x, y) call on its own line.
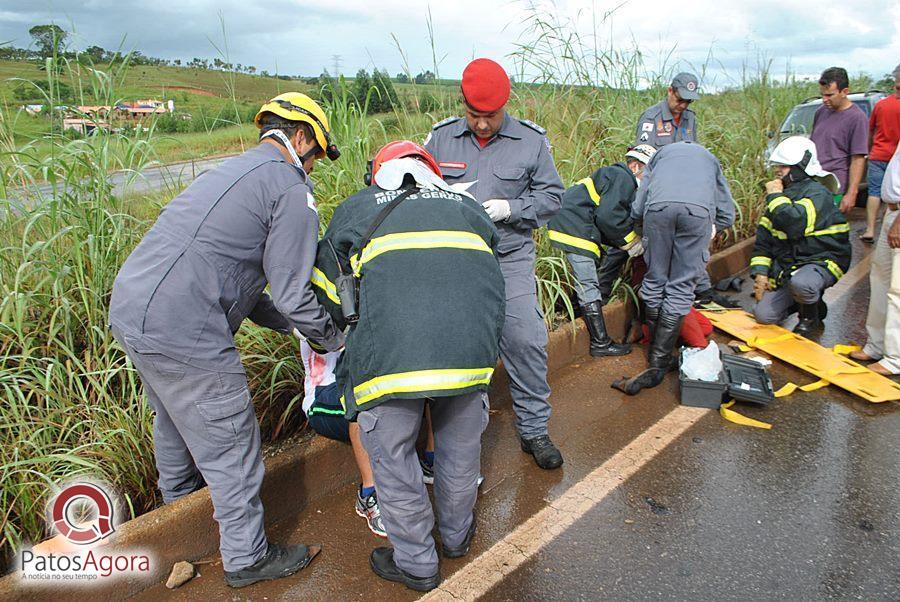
point(397, 150)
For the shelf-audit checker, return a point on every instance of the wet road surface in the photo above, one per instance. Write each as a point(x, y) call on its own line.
point(808, 510)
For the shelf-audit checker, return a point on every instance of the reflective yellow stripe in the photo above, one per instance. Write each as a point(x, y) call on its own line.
point(767, 224)
point(630, 236)
point(834, 269)
point(836, 229)
point(429, 239)
point(422, 380)
point(574, 241)
point(760, 260)
point(777, 202)
point(320, 280)
point(810, 215)
point(592, 190)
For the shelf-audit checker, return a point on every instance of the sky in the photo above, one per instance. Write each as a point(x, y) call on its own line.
point(718, 39)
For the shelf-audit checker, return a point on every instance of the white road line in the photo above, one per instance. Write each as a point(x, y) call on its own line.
point(505, 556)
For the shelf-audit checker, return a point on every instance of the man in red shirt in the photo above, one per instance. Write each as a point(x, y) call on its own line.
point(884, 133)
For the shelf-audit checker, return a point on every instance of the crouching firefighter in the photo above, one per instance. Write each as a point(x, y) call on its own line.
point(184, 291)
point(411, 265)
point(802, 241)
point(596, 213)
point(684, 199)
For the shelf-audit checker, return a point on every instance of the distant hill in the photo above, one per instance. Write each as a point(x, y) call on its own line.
point(188, 87)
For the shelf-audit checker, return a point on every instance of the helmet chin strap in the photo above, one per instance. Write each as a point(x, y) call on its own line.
point(298, 161)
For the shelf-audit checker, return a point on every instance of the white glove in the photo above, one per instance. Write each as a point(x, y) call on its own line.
point(714, 232)
point(497, 209)
point(636, 248)
point(299, 335)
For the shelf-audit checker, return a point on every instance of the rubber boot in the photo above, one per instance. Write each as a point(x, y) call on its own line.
point(810, 322)
point(659, 357)
point(608, 272)
point(651, 315)
point(602, 344)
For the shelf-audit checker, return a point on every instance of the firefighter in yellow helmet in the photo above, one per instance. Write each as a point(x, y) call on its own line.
point(183, 293)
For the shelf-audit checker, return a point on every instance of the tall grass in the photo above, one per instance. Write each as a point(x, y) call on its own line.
point(71, 401)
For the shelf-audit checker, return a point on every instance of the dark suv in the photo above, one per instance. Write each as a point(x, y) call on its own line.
point(799, 122)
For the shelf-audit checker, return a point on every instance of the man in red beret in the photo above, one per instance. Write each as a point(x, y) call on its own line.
point(506, 164)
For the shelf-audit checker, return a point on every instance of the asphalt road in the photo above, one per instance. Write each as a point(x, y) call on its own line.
point(173, 177)
point(808, 510)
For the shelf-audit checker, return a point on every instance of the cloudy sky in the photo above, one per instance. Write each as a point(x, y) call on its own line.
point(303, 36)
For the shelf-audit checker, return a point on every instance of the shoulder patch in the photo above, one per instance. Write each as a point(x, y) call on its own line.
point(533, 126)
point(447, 121)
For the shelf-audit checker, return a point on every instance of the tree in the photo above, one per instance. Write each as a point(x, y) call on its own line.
point(361, 86)
point(386, 98)
point(95, 53)
point(49, 39)
point(425, 78)
point(402, 78)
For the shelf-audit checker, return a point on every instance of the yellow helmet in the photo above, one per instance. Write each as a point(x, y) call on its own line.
point(295, 106)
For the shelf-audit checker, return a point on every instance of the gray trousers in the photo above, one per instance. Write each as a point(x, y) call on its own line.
point(805, 286)
point(389, 432)
point(523, 349)
point(676, 252)
point(587, 282)
point(205, 429)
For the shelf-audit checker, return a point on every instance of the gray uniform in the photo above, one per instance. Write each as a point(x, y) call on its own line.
point(515, 165)
point(389, 432)
point(682, 194)
point(657, 126)
point(176, 304)
point(805, 287)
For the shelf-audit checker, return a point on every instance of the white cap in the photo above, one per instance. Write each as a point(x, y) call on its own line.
point(641, 152)
point(801, 151)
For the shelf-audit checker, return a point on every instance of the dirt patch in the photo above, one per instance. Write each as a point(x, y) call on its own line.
point(197, 91)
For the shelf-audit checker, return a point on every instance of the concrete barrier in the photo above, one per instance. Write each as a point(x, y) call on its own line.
point(300, 474)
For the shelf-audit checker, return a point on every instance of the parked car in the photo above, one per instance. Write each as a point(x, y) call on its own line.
point(799, 122)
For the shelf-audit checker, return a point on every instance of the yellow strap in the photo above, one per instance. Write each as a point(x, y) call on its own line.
point(845, 349)
point(592, 190)
point(837, 229)
point(834, 268)
point(574, 241)
point(421, 380)
point(736, 418)
point(761, 260)
point(790, 388)
point(630, 236)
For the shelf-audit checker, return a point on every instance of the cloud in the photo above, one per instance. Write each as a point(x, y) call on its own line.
point(302, 36)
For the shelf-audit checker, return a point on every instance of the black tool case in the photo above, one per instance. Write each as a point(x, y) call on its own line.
point(741, 379)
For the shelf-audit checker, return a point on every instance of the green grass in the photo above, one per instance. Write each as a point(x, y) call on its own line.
point(72, 403)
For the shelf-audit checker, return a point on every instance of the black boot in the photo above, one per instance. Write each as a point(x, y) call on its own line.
point(651, 317)
point(810, 320)
point(601, 343)
point(711, 296)
point(279, 561)
point(659, 357)
point(546, 455)
point(382, 562)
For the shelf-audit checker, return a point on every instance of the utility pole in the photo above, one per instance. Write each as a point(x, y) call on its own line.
point(336, 65)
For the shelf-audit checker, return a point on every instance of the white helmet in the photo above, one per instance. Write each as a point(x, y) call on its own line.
point(641, 152)
point(801, 151)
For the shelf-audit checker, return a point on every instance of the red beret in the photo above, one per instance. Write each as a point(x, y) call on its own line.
point(485, 85)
